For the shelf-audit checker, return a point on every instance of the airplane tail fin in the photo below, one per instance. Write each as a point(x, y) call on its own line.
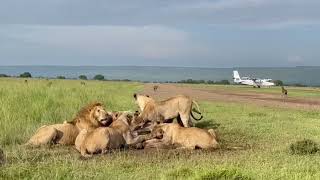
point(236, 76)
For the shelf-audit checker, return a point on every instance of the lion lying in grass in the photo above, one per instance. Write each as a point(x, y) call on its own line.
point(164, 135)
point(89, 117)
point(102, 139)
point(179, 107)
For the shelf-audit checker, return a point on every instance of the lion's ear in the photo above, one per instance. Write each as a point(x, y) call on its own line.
point(116, 114)
point(129, 118)
point(136, 114)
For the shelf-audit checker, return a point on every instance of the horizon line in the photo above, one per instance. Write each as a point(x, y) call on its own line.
point(159, 66)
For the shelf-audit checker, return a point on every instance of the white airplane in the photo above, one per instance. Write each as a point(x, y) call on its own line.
point(251, 81)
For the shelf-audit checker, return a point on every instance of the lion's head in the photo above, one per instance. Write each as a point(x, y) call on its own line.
point(99, 114)
point(94, 114)
point(142, 100)
point(157, 132)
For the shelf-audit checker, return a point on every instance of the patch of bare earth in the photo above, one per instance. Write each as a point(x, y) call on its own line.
point(206, 94)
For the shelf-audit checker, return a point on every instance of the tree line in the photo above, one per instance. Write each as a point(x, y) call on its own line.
point(101, 77)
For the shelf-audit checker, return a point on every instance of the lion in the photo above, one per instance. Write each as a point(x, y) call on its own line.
point(102, 139)
point(179, 107)
point(155, 88)
point(89, 117)
point(182, 137)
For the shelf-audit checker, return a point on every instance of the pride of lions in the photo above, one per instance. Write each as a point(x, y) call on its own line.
point(94, 130)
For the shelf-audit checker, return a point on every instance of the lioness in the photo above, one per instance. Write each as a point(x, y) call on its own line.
point(89, 117)
point(182, 137)
point(179, 107)
point(102, 139)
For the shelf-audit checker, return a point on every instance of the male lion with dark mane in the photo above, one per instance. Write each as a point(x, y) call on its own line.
point(89, 117)
point(179, 107)
point(102, 139)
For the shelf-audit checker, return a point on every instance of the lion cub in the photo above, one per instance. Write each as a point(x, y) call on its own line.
point(182, 137)
point(102, 139)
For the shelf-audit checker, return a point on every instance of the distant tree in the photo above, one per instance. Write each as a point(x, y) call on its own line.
point(4, 75)
point(210, 82)
point(83, 77)
point(225, 82)
point(98, 77)
point(26, 75)
point(278, 82)
point(299, 85)
point(189, 81)
point(61, 77)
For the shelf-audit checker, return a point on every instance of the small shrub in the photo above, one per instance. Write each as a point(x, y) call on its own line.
point(305, 146)
point(26, 75)
point(98, 77)
point(83, 77)
point(61, 77)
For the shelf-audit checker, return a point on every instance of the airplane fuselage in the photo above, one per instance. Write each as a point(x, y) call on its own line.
point(250, 81)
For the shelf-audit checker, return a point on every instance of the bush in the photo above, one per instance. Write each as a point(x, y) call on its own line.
point(25, 75)
point(299, 85)
point(305, 146)
point(98, 77)
point(222, 82)
point(278, 82)
point(83, 77)
point(191, 81)
point(61, 77)
point(4, 75)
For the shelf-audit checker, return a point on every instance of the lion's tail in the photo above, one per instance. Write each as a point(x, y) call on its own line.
point(197, 110)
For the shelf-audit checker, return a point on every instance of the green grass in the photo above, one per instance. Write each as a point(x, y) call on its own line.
point(254, 140)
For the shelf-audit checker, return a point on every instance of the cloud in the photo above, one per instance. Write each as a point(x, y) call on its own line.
point(242, 13)
point(147, 42)
point(218, 33)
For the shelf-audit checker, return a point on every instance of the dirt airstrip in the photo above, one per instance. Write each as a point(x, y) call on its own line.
point(222, 95)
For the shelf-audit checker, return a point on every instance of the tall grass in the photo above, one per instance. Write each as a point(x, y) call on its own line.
point(255, 140)
point(26, 106)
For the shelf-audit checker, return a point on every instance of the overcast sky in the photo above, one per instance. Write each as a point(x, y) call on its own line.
point(216, 33)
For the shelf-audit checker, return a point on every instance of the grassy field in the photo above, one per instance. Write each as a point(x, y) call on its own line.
point(264, 134)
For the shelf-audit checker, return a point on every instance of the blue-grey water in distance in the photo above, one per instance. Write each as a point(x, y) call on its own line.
point(289, 75)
